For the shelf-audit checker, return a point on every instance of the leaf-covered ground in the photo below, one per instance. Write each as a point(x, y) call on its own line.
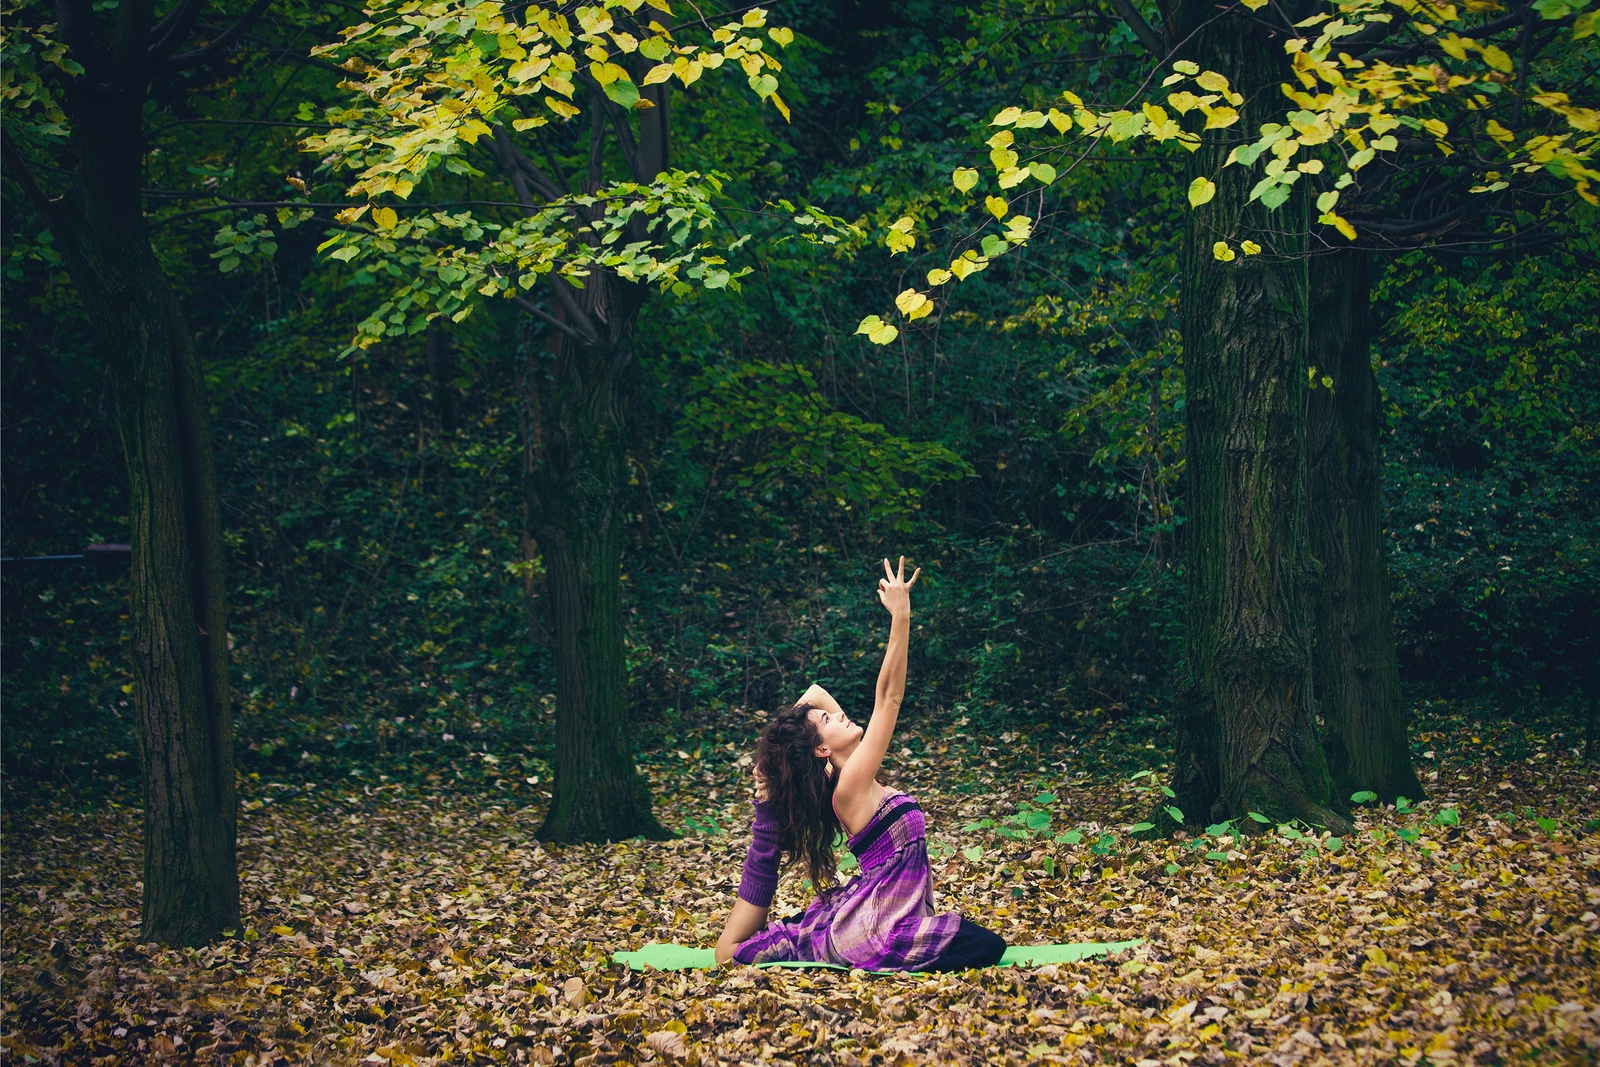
point(398, 925)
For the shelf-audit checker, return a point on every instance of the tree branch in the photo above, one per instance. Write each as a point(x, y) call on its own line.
point(17, 169)
point(222, 42)
point(544, 316)
point(513, 158)
point(1141, 29)
point(169, 32)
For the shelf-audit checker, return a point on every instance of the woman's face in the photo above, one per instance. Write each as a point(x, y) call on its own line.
point(835, 731)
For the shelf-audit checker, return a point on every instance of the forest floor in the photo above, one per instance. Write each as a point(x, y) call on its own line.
point(403, 925)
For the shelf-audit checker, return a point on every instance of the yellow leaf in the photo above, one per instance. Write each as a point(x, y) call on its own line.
point(781, 34)
point(913, 305)
point(350, 214)
point(1221, 252)
point(1212, 82)
point(1249, 248)
point(1006, 117)
point(777, 102)
point(657, 74)
point(1254, 5)
point(1497, 58)
point(527, 124)
point(560, 107)
point(964, 178)
point(1435, 127)
point(1340, 223)
point(283, 931)
point(883, 334)
point(1221, 118)
point(969, 263)
point(385, 218)
point(1201, 190)
point(997, 206)
point(938, 276)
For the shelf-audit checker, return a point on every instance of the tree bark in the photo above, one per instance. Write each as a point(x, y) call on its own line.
point(178, 617)
point(574, 507)
point(1246, 730)
point(1356, 670)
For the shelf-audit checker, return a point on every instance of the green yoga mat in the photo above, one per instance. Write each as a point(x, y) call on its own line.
point(682, 957)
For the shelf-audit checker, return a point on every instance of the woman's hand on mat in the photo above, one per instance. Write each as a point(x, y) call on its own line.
point(894, 591)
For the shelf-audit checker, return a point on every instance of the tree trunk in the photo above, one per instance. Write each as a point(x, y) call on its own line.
point(180, 652)
point(1357, 672)
point(1246, 731)
point(574, 509)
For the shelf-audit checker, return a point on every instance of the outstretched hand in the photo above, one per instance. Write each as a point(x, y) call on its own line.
point(894, 592)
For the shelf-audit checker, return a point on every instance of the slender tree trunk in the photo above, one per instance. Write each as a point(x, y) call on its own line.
point(1356, 669)
point(575, 511)
point(1246, 730)
point(180, 652)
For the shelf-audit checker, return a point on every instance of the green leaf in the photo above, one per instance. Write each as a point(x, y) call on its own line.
point(764, 85)
point(1216, 855)
point(1038, 820)
point(1173, 868)
point(1258, 817)
point(1365, 796)
point(994, 246)
point(974, 853)
point(1141, 827)
point(1201, 190)
point(1402, 805)
point(1167, 792)
point(624, 93)
point(1045, 798)
point(1333, 844)
point(1448, 817)
point(1548, 826)
point(1175, 813)
point(1071, 837)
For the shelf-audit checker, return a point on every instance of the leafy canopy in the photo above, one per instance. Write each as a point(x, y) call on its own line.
point(1459, 97)
point(436, 81)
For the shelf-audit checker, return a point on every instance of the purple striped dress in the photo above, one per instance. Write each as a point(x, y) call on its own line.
point(881, 921)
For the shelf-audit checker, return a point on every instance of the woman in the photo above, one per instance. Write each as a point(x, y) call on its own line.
point(817, 774)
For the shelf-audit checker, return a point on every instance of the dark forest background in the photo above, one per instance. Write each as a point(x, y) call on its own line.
point(386, 607)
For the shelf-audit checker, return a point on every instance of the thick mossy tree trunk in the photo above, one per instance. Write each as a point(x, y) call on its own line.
point(1246, 732)
point(1357, 672)
point(574, 490)
point(178, 618)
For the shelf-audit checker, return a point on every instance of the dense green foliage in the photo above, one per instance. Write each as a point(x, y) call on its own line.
point(1027, 451)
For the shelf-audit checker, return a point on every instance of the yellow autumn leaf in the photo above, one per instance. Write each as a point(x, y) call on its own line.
point(1212, 82)
point(997, 206)
point(1249, 248)
point(783, 35)
point(938, 276)
point(385, 218)
point(283, 931)
point(657, 74)
point(1201, 190)
point(1220, 118)
point(964, 179)
point(1221, 252)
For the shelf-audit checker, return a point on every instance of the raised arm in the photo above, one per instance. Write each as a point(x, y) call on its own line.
point(853, 797)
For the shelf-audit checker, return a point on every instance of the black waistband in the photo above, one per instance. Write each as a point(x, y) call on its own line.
point(871, 836)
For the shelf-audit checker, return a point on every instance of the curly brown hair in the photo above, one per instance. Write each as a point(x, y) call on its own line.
point(800, 789)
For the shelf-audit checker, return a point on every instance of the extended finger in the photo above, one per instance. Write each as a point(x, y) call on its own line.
point(914, 576)
point(888, 569)
point(902, 575)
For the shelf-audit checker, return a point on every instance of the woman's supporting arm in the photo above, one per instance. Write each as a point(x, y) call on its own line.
point(758, 883)
point(852, 799)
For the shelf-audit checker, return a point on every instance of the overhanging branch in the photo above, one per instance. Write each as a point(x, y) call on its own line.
point(1141, 29)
